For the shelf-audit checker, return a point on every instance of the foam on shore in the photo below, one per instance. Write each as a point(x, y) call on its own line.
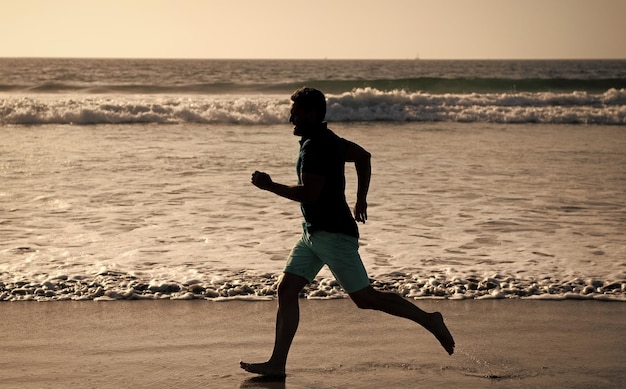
point(110, 286)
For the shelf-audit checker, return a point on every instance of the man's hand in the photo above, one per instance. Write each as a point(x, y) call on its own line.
point(261, 180)
point(360, 211)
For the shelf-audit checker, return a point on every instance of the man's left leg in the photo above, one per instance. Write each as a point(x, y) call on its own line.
point(341, 254)
point(394, 304)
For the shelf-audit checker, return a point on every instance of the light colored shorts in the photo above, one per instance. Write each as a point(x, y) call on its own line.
point(338, 251)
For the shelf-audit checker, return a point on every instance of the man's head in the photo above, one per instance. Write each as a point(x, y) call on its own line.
point(308, 110)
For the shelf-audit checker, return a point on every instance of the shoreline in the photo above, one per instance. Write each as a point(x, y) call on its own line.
point(111, 286)
point(500, 343)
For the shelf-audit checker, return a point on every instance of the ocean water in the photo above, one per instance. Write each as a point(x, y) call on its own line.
point(130, 179)
point(45, 91)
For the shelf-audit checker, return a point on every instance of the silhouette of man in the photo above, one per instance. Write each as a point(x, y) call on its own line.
point(330, 235)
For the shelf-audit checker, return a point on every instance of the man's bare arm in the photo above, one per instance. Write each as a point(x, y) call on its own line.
point(307, 192)
point(362, 163)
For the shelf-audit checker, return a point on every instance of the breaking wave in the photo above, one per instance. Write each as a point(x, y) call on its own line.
point(363, 104)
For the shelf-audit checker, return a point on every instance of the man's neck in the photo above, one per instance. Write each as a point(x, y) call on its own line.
point(313, 130)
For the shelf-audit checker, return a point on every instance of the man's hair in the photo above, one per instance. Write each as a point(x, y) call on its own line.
point(311, 99)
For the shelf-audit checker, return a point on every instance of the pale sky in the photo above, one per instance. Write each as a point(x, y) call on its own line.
point(335, 29)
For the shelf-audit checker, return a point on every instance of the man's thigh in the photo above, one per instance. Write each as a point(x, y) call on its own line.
point(303, 261)
point(341, 253)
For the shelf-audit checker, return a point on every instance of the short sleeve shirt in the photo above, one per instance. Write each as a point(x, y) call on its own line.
point(324, 154)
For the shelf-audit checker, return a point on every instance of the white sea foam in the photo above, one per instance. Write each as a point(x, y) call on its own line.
point(363, 104)
point(142, 109)
point(577, 107)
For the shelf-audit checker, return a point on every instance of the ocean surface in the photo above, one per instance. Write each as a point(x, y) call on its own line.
point(130, 179)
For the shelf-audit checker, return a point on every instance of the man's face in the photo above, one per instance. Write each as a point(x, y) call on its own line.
point(303, 119)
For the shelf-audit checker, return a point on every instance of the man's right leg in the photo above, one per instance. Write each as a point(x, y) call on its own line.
point(287, 319)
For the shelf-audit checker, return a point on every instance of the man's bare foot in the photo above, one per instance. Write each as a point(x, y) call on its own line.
point(438, 328)
point(265, 369)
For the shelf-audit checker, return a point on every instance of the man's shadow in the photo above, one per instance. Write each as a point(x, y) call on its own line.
point(262, 382)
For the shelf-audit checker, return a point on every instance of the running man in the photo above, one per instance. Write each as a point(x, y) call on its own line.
point(330, 234)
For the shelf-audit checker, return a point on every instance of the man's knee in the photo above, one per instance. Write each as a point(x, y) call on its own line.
point(290, 285)
point(364, 298)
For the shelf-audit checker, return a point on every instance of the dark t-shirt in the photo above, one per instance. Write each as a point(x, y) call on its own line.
point(324, 154)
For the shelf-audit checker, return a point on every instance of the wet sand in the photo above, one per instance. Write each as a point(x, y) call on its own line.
point(166, 344)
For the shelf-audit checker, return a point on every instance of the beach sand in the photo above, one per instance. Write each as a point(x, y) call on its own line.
point(195, 344)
